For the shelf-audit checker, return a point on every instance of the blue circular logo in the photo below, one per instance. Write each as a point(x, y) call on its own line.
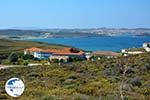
point(14, 87)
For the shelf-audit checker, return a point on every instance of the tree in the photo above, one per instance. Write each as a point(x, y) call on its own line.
point(124, 69)
point(13, 57)
point(28, 56)
point(74, 50)
point(123, 81)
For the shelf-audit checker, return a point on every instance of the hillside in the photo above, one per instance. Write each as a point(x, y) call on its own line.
point(48, 33)
point(7, 46)
point(86, 80)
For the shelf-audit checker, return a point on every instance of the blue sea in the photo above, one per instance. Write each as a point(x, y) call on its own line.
point(104, 43)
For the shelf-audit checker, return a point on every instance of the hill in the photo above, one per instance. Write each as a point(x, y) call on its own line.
point(48, 33)
point(7, 46)
point(86, 80)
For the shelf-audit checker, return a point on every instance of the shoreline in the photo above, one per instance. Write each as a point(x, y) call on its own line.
point(89, 46)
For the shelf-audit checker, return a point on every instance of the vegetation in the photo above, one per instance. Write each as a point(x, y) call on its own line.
point(9, 46)
point(13, 57)
point(106, 79)
point(27, 57)
point(74, 50)
point(101, 78)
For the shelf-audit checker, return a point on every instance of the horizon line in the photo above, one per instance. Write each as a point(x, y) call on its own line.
point(34, 28)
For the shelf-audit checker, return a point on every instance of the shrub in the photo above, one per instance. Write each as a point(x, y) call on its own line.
point(25, 63)
point(74, 50)
point(33, 74)
point(5, 62)
point(107, 72)
point(147, 67)
point(50, 97)
point(3, 97)
point(136, 82)
point(80, 97)
point(28, 56)
point(129, 70)
point(126, 87)
point(13, 57)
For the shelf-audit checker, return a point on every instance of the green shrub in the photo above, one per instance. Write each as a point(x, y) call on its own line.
point(28, 56)
point(6, 62)
point(25, 63)
point(3, 97)
point(136, 82)
point(13, 57)
point(50, 97)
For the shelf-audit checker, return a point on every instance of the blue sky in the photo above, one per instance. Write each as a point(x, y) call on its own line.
point(74, 13)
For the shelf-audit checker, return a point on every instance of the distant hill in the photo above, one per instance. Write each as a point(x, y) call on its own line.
point(48, 33)
point(15, 32)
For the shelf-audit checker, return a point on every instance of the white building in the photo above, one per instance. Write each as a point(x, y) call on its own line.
point(146, 46)
point(60, 54)
point(38, 53)
point(127, 52)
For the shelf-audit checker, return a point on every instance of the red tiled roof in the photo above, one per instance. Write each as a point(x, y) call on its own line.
point(106, 53)
point(34, 49)
point(67, 53)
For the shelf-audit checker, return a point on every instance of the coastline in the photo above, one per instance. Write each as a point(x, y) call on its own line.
point(102, 43)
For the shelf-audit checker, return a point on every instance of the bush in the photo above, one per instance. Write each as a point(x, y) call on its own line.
point(3, 97)
point(13, 57)
point(147, 67)
point(74, 50)
point(28, 56)
point(136, 82)
point(107, 72)
point(33, 74)
point(5, 62)
point(129, 70)
point(80, 97)
point(52, 97)
point(25, 63)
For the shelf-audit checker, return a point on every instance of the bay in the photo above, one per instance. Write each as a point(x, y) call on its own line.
point(103, 43)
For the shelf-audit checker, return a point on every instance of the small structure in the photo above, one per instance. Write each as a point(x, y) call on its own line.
point(146, 46)
point(88, 55)
point(134, 51)
point(108, 54)
point(127, 52)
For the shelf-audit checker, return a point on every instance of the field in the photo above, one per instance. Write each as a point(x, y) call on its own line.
point(84, 80)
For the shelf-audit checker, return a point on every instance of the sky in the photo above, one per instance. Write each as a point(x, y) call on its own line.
point(74, 13)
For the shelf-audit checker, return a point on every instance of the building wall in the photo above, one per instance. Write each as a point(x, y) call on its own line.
point(146, 46)
point(59, 58)
point(40, 55)
point(25, 52)
point(125, 52)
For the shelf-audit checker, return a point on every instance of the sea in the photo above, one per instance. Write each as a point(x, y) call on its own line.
point(99, 43)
